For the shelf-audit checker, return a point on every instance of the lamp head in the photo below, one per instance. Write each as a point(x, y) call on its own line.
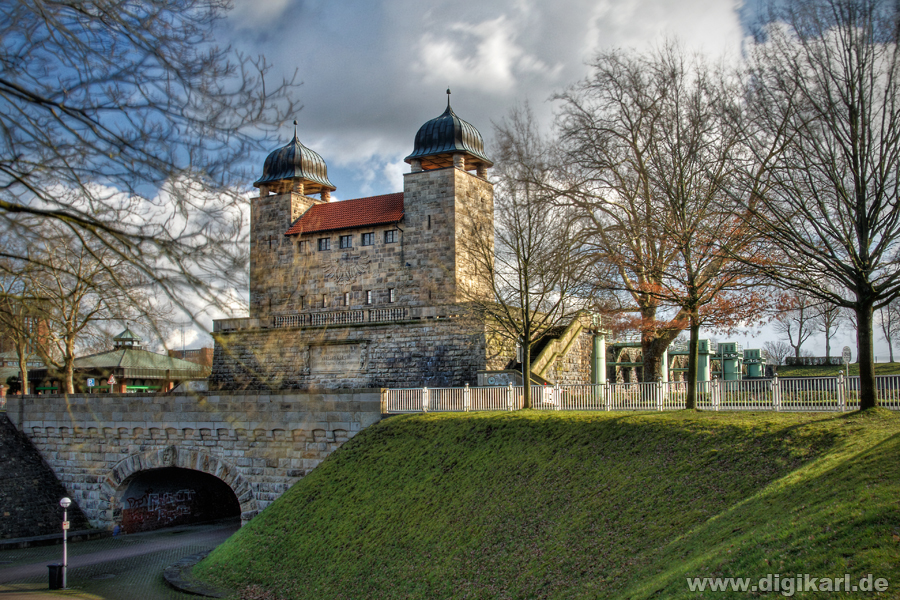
point(65, 502)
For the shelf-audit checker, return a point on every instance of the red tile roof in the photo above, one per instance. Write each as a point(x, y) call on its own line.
point(350, 214)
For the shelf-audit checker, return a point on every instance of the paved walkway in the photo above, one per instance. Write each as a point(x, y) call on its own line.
point(128, 567)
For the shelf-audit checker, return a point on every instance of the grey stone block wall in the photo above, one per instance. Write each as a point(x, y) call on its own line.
point(29, 490)
point(259, 444)
point(438, 352)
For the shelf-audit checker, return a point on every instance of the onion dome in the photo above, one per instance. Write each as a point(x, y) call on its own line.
point(295, 164)
point(440, 139)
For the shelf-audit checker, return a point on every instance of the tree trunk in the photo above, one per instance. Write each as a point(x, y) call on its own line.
point(867, 391)
point(68, 382)
point(651, 353)
point(22, 356)
point(690, 402)
point(827, 345)
point(526, 371)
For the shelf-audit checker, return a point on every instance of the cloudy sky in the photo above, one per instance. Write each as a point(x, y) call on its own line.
point(374, 71)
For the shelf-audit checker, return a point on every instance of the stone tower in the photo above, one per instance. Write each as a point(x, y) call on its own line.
point(291, 175)
point(449, 208)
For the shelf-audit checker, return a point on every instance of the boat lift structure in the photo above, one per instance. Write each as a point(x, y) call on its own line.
point(728, 361)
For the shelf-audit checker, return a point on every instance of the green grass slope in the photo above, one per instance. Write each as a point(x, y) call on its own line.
point(569, 505)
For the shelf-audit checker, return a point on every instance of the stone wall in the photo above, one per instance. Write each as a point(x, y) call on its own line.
point(259, 444)
point(29, 491)
point(433, 352)
point(575, 366)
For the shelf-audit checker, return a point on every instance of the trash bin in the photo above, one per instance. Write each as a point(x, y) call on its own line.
point(56, 576)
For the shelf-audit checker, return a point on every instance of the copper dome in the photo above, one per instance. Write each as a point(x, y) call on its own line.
point(296, 161)
point(439, 139)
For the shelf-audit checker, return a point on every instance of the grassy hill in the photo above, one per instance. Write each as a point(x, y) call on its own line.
point(568, 505)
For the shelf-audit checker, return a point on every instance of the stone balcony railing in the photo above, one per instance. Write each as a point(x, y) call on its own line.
point(342, 317)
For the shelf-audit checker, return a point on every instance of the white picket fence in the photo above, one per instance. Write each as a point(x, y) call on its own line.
point(822, 394)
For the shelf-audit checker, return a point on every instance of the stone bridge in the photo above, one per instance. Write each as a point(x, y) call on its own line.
point(119, 454)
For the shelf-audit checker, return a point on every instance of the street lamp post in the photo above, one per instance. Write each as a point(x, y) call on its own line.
point(65, 502)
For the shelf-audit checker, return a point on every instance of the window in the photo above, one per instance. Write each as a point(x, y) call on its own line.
point(324, 244)
point(346, 241)
point(392, 295)
point(368, 296)
point(301, 246)
point(346, 298)
point(324, 300)
point(368, 239)
point(429, 221)
point(390, 236)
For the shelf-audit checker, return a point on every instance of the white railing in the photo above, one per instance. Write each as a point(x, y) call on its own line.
point(462, 399)
point(806, 394)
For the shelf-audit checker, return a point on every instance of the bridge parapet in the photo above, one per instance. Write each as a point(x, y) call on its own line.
point(257, 443)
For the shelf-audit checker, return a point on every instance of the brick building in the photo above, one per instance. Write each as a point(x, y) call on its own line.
point(367, 292)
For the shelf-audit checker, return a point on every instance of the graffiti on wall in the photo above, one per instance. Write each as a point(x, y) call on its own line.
point(171, 497)
point(154, 510)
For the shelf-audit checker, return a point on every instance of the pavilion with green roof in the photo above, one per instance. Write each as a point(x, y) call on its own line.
point(131, 367)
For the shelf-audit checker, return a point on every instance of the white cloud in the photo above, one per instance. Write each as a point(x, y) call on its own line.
point(484, 56)
point(249, 14)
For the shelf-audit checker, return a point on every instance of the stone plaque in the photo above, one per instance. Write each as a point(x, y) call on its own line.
point(337, 358)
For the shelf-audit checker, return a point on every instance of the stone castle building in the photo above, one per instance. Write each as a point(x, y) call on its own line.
point(369, 292)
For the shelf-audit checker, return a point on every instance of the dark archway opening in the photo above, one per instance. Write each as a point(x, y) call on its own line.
point(171, 496)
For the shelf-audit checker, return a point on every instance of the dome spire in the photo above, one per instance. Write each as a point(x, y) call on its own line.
point(294, 167)
point(449, 141)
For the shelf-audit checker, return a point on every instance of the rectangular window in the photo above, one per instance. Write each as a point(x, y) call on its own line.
point(324, 244)
point(392, 295)
point(346, 298)
point(324, 300)
point(390, 236)
point(368, 239)
point(301, 246)
point(346, 241)
point(429, 221)
point(302, 302)
point(368, 296)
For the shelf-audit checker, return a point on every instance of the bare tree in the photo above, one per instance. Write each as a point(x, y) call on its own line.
point(796, 320)
point(531, 271)
point(76, 289)
point(777, 351)
point(823, 94)
point(18, 320)
point(127, 124)
point(652, 160)
point(889, 319)
point(827, 319)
